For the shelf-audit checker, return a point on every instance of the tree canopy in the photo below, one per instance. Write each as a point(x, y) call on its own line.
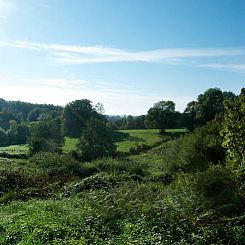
point(234, 129)
point(76, 115)
point(208, 105)
point(161, 115)
point(95, 141)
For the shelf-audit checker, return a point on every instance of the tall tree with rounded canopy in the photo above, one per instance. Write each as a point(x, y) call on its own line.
point(95, 141)
point(161, 115)
point(76, 115)
point(209, 104)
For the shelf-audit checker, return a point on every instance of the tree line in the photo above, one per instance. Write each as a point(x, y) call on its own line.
point(44, 127)
point(163, 115)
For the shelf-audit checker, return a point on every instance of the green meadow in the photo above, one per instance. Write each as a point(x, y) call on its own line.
point(15, 149)
point(137, 137)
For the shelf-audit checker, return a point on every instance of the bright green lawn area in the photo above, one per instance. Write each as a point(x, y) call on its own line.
point(15, 149)
point(137, 137)
point(125, 139)
point(141, 136)
point(70, 144)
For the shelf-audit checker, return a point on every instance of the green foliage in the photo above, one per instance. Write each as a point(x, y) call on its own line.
point(179, 192)
point(218, 186)
point(98, 181)
point(18, 185)
point(15, 150)
point(3, 137)
point(57, 164)
point(17, 134)
point(136, 138)
point(110, 210)
point(76, 115)
point(195, 151)
point(209, 105)
point(45, 136)
point(70, 144)
point(95, 141)
point(161, 115)
point(121, 166)
point(5, 117)
point(127, 122)
point(234, 130)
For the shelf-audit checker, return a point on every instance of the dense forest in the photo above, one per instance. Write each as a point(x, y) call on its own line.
point(185, 188)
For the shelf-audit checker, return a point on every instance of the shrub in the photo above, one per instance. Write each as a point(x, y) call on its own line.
point(98, 181)
point(195, 151)
point(233, 131)
point(55, 163)
point(16, 184)
point(122, 166)
point(218, 186)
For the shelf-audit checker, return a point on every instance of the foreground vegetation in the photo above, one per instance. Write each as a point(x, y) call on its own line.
point(177, 187)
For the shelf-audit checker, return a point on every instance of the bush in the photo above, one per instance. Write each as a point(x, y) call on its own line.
point(218, 186)
point(61, 164)
point(194, 152)
point(233, 131)
point(110, 165)
point(98, 181)
point(17, 184)
point(55, 163)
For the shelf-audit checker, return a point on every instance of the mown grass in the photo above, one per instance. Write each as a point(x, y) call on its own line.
point(126, 139)
point(136, 137)
point(70, 144)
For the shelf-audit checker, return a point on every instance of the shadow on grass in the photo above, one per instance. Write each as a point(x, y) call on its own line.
point(172, 135)
point(120, 136)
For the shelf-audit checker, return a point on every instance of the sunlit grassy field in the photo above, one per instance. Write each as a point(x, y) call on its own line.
point(70, 144)
point(15, 149)
point(141, 136)
point(137, 137)
point(126, 139)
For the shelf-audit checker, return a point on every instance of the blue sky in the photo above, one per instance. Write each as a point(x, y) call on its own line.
point(127, 54)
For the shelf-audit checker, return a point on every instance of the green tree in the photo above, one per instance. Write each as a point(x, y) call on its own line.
point(161, 115)
point(95, 141)
point(139, 122)
point(76, 115)
point(234, 129)
point(209, 104)
point(190, 115)
point(3, 137)
point(18, 133)
point(45, 136)
point(5, 117)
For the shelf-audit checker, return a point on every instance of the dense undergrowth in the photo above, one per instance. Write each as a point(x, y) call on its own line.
point(179, 192)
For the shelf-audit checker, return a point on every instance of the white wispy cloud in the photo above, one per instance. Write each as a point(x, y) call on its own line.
point(77, 54)
point(58, 83)
point(228, 67)
point(43, 5)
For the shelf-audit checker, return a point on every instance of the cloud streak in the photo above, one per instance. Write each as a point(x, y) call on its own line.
point(58, 83)
point(228, 67)
point(77, 54)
